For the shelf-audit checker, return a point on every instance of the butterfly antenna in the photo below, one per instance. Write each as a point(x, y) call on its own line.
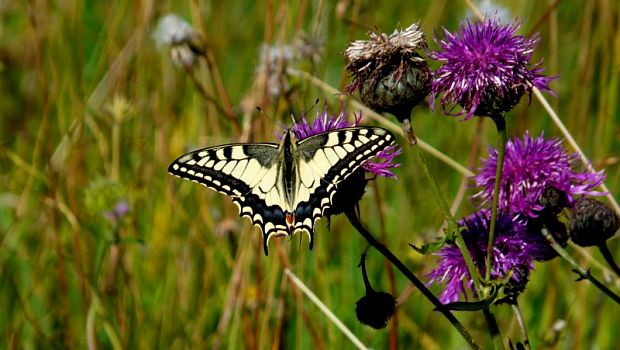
point(303, 113)
point(264, 114)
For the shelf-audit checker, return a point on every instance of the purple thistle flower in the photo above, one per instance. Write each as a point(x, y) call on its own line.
point(324, 122)
point(513, 254)
point(120, 209)
point(531, 166)
point(485, 69)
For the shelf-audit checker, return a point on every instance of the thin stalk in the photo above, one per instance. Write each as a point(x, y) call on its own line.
point(452, 225)
point(583, 273)
point(609, 258)
point(514, 305)
point(116, 148)
point(573, 143)
point(414, 280)
point(500, 123)
point(496, 336)
point(335, 320)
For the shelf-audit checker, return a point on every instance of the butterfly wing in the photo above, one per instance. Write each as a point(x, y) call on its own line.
point(327, 159)
point(245, 172)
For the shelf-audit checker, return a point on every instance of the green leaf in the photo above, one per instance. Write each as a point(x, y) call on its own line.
point(432, 247)
point(470, 305)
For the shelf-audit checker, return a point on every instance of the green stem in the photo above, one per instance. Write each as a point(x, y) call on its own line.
point(609, 258)
point(500, 123)
point(514, 305)
point(452, 224)
point(583, 273)
point(365, 274)
point(496, 336)
point(353, 218)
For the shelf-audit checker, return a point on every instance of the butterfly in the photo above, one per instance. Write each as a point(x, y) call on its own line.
point(284, 188)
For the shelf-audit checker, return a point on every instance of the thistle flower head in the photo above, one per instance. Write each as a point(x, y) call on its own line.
point(513, 254)
point(532, 166)
point(485, 69)
point(389, 71)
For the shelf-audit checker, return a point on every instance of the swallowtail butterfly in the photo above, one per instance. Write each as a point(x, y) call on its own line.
point(284, 188)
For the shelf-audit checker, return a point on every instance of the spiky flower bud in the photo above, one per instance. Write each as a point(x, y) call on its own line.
point(399, 91)
point(592, 222)
point(390, 73)
point(375, 308)
point(553, 200)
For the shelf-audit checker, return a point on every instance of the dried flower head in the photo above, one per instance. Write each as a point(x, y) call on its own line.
point(184, 42)
point(592, 222)
point(485, 69)
point(368, 55)
point(532, 166)
point(513, 254)
point(390, 73)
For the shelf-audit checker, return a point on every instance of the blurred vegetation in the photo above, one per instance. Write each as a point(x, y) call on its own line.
point(93, 113)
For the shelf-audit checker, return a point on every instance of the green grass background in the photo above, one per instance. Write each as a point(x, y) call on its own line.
point(87, 100)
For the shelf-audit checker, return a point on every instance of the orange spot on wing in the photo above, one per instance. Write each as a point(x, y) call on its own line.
point(290, 219)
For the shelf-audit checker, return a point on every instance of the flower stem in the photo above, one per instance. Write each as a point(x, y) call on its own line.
point(514, 305)
point(500, 123)
point(365, 274)
point(353, 218)
point(583, 273)
point(496, 336)
point(452, 225)
point(609, 258)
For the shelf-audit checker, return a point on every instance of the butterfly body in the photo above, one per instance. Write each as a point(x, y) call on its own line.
point(286, 187)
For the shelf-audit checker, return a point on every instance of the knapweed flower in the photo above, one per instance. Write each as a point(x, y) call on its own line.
point(390, 73)
point(351, 190)
point(120, 209)
point(105, 197)
point(485, 69)
point(513, 253)
point(532, 166)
